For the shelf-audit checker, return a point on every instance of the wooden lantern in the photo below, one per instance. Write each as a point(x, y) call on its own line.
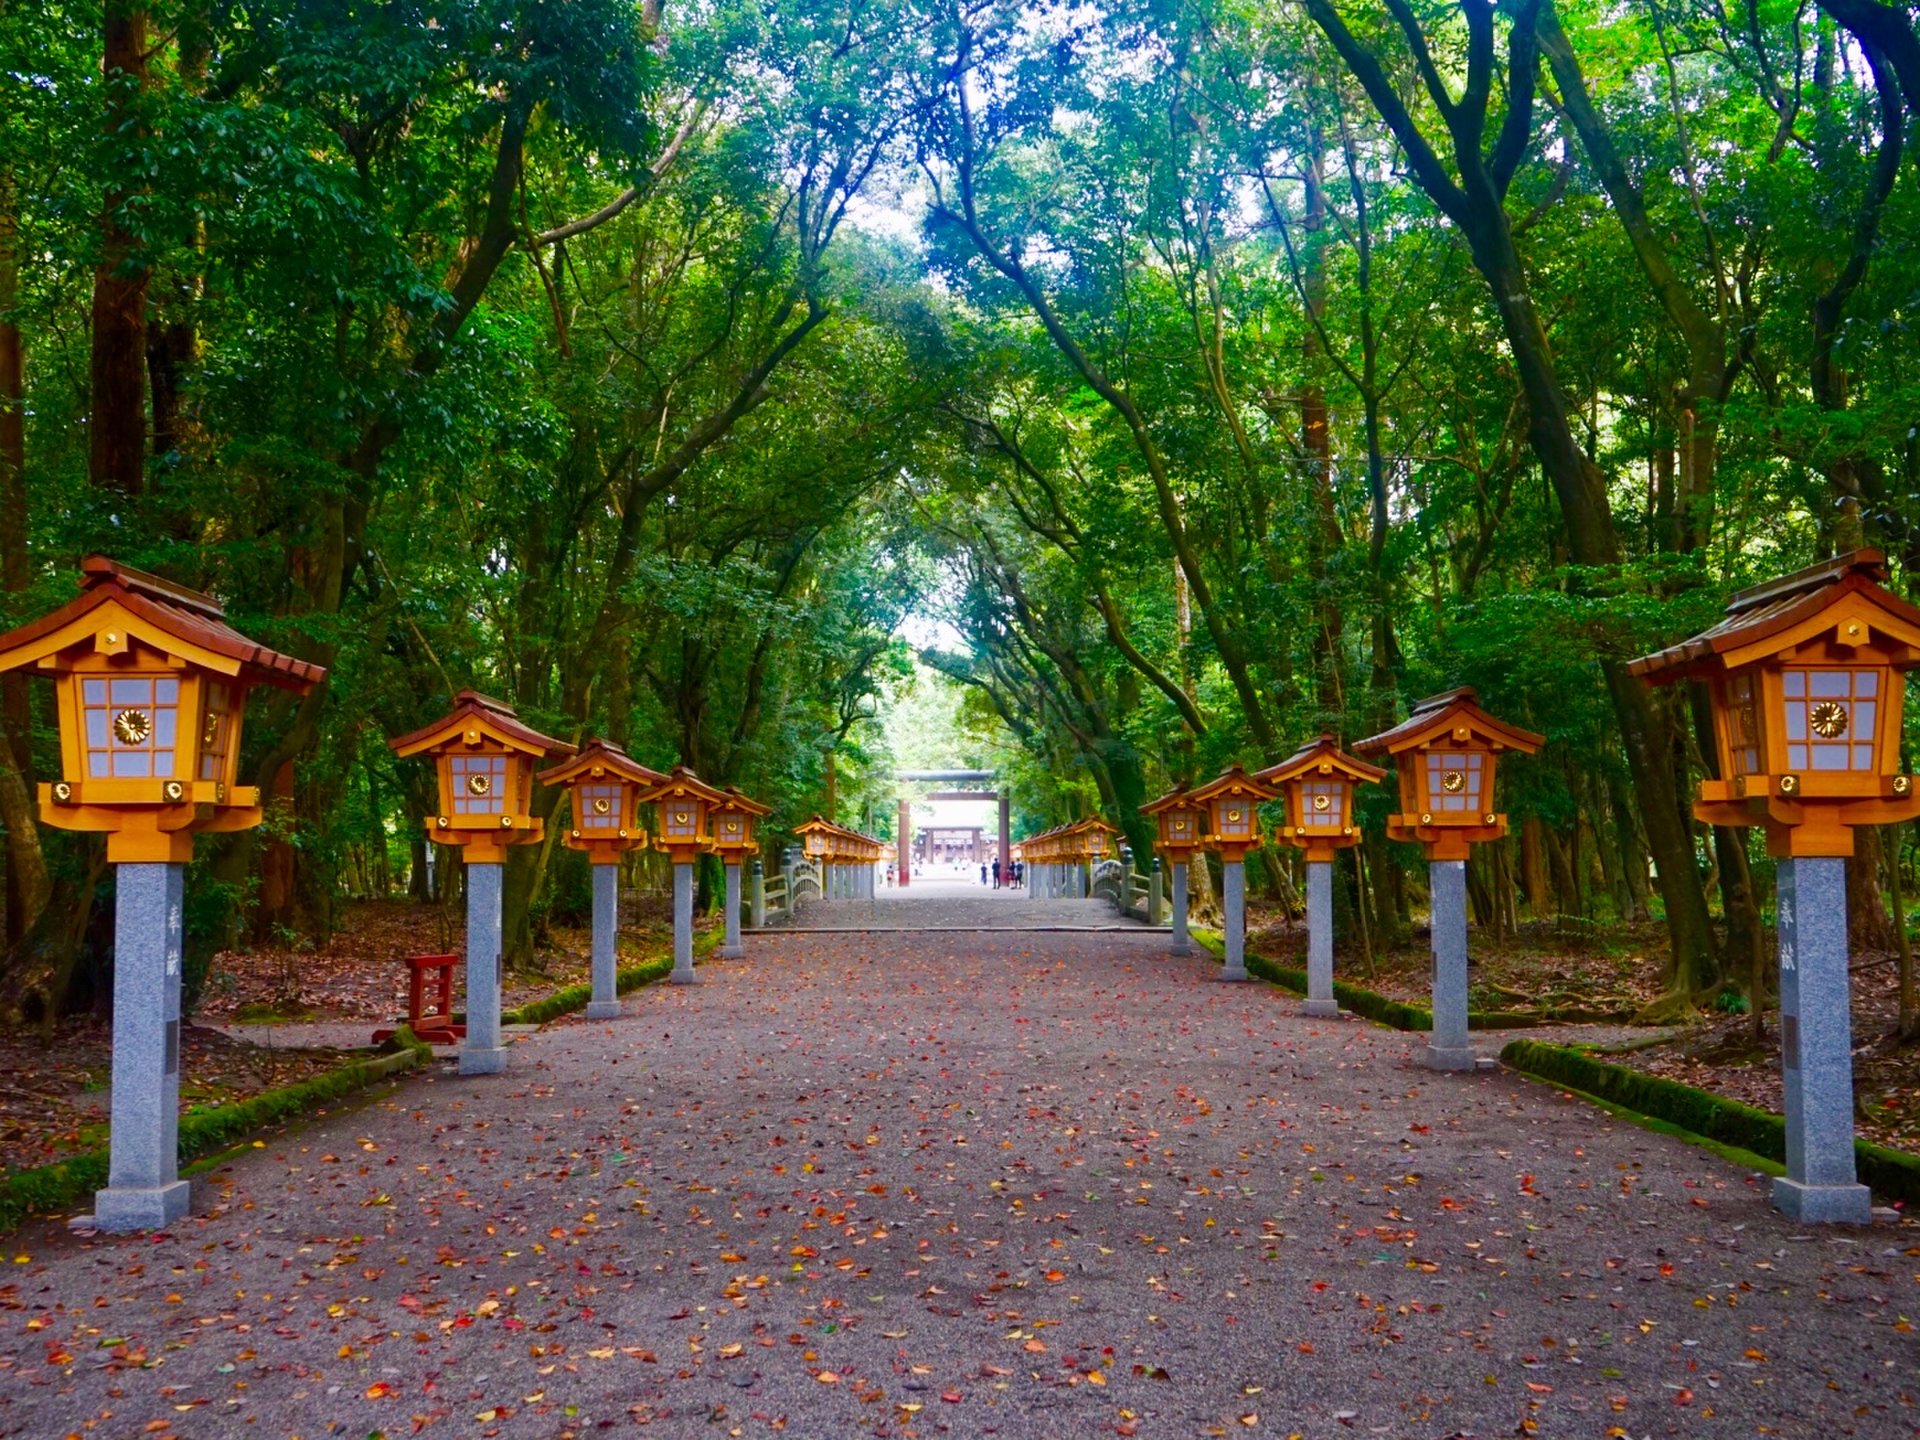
point(485, 759)
point(1181, 825)
point(734, 822)
point(1092, 839)
point(152, 684)
point(1445, 754)
point(1231, 802)
point(1805, 675)
point(685, 805)
point(1318, 781)
point(608, 790)
point(816, 839)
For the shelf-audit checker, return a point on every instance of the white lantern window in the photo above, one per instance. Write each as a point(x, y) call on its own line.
point(216, 731)
point(599, 808)
point(1743, 725)
point(479, 784)
point(1832, 717)
point(132, 726)
point(1453, 781)
point(1323, 805)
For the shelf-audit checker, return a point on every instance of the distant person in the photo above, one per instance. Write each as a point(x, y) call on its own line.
point(983, 875)
point(889, 877)
point(996, 874)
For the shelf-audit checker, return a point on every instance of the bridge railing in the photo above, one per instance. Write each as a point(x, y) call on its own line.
point(774, 900)
point(1142, 897)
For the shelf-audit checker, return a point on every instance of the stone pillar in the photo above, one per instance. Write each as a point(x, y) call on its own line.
point(683, 973)
point(605, 1004)
point(731, 948)
point(1816, 1046)
point(144, 1189)
point(1320, 999)
point(1448, 1047)
point(757, 896)
point(903, 839)
point(1156, 893)
point(1006, 839)
point(1182, 941)
point(1233, 902)
point(481, 1053)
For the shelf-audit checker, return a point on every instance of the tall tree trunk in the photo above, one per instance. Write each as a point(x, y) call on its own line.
point(118, 415)
point(1472, 195)
point(1868, 925)
point(1316, 444)
point(173, 342)
point(1909, 1021)
point(26, 880)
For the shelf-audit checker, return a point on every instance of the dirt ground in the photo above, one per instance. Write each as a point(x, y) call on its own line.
point(1610, 974)
point(53, 1096)
point(1045, 1186)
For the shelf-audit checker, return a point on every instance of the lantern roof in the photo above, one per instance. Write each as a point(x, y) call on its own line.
point(1322, 750)
point(166, 616)
point(1177, 798)
point(1090, 824)
point(683, 784)
point(1231, 782)
point(1439, 717)
point(610, 758)
point(1776, 617)
point(493, 718)
point(737, 800)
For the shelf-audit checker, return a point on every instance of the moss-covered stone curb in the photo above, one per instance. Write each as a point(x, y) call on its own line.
point(66, 1183)
point(1383, 1009)
point(1893, 1174)
point(569, 998)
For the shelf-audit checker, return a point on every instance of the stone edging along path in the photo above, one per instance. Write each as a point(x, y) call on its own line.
point(1757, 1135)
point(48, 1189)
point(45, 1189)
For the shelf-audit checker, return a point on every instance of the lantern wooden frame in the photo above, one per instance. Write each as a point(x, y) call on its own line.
point(1181, 825)
point(818, 839)
point(608, 791)
point(1089, 838)
point(151, 693)
point(734, 823)
point(1446, 756)
point(1806, 680)
point(484, 758)
point(683, 823)
point(1318, 782)
point(1231, 801)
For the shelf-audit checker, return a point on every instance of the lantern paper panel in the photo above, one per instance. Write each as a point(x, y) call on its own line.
point(132, 726)
point(599, 808)
point(1455, 781)
point(1323, 804)
point(1832, 716)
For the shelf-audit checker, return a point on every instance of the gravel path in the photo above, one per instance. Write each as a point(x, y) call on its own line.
point(1023, 1185)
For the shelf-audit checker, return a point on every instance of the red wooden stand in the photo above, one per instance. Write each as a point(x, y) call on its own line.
point(436, 1027)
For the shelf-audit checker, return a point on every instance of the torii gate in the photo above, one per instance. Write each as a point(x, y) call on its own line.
point(904, 837)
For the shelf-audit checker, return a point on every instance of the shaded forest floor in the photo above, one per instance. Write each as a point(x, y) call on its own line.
point(54, 1097)
point(361, 973)
point(1608, 974)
